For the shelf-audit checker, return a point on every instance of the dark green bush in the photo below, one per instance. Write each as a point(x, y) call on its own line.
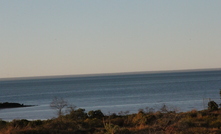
point(150, 118)
point(3, 124)
point(95, 114)
point(212, 105)
point(77, 115)
point(19, 123)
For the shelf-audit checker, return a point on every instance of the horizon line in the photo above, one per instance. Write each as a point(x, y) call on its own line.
point(105, 74)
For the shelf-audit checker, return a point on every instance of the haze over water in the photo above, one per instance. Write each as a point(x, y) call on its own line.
point(112, 93)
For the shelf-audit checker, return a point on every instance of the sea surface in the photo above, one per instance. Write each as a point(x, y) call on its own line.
point(111, 93)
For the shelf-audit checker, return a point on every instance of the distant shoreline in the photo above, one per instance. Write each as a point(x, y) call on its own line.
point(5, 105)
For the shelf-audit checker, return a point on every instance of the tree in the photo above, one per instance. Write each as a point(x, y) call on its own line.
point(58, 104)
point(212, 105)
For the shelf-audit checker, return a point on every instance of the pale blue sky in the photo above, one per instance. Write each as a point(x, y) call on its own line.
point(54, 37)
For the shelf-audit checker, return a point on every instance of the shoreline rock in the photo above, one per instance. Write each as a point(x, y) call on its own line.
point(12, 105)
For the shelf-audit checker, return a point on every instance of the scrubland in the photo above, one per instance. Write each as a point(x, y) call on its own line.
point(147, 121)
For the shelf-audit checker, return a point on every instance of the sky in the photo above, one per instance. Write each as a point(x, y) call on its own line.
point(72, 37)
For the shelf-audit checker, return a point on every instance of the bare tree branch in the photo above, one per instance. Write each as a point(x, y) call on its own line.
point(59, 104)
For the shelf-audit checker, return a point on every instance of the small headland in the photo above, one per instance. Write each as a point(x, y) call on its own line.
point(13, 105)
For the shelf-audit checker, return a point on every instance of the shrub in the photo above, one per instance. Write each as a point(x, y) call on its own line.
point(192, 114)
point(150, 118)
point(140, 119)
point(118, 121)
point(215, 124)
point(19, 123)
point(212, 105)
point(94, 122)
point(58, 124)
point(185, 123)
point(95, 114)
point(77, 115)
point(2, 124)
point(35, 123)
point(111, 128)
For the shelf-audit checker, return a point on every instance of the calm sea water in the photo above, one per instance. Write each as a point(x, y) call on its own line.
point(111, 93)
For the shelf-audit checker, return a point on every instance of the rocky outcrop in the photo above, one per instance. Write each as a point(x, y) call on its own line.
point(12, 105)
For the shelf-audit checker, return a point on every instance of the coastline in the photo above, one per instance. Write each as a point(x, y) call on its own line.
point(5, 105)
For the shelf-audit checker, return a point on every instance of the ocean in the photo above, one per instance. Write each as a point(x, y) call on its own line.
point(111, 93)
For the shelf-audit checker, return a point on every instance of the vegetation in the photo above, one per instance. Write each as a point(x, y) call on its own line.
point(77, 121)
point(212, 105)
point(59, 104)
